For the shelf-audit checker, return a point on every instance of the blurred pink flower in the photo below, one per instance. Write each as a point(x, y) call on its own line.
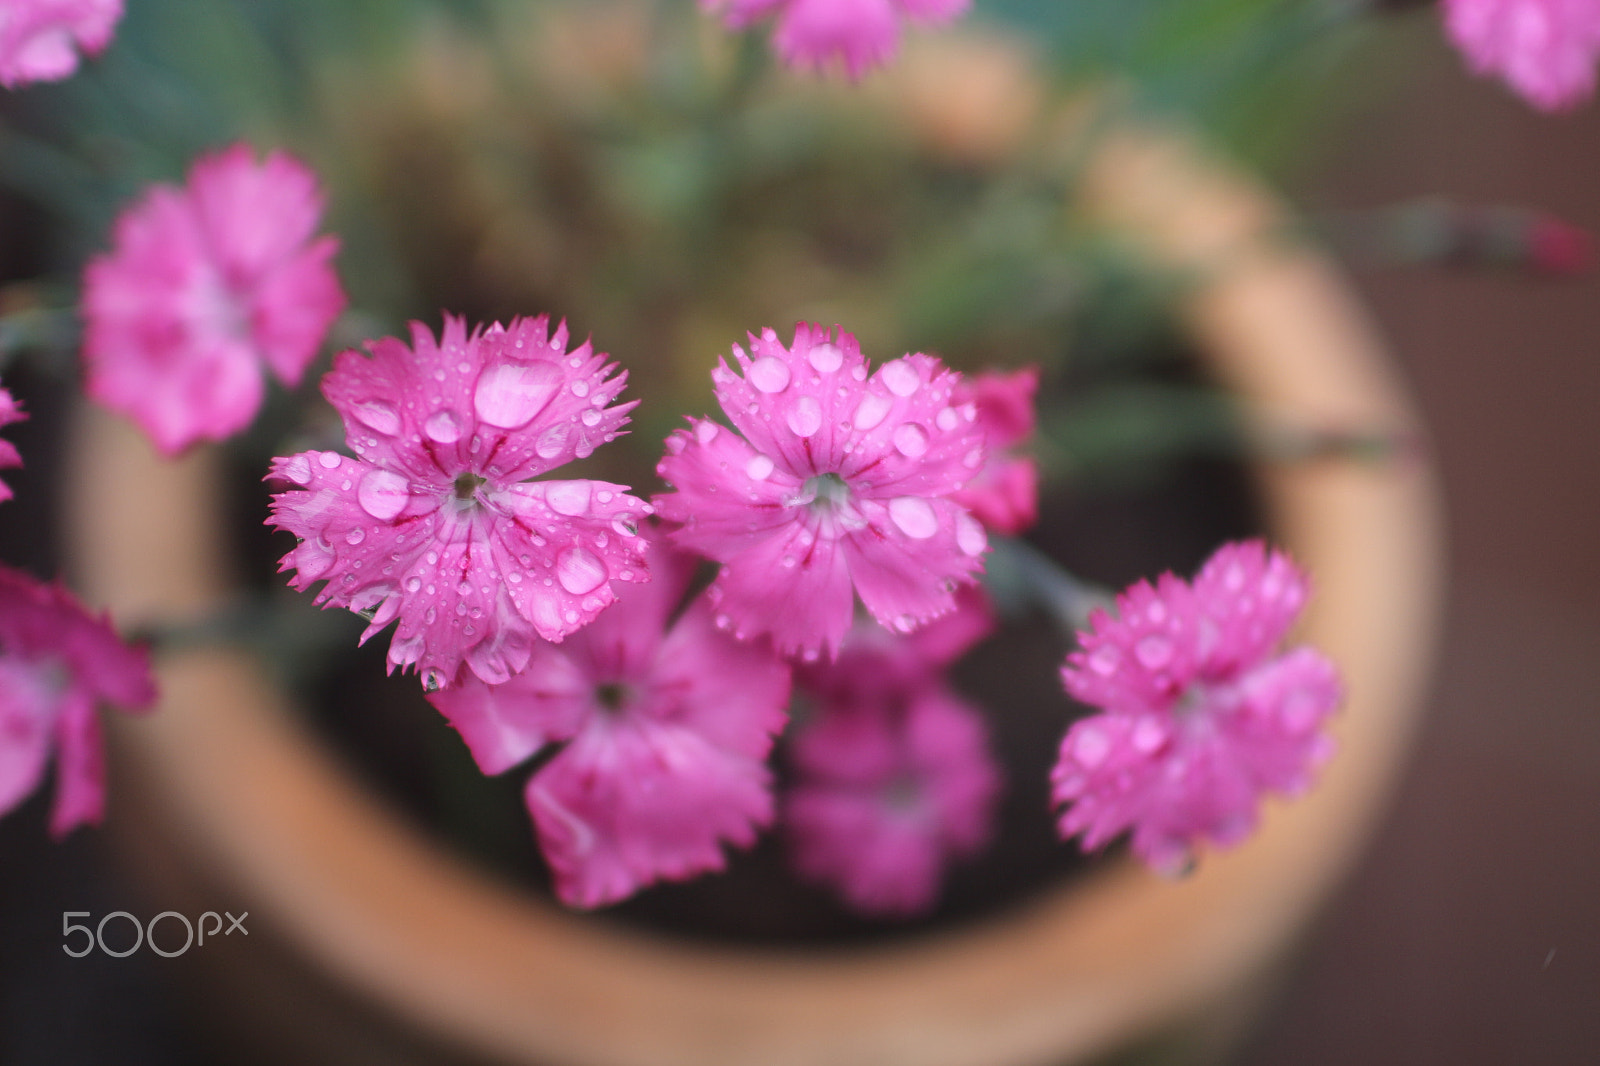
point(436, 522)
point(861, 34)
point(10, 411)
point(668, 725)
point(893, 775)
point(1201, 717)
point(56, 662)
point(203, 285)
point(1544, 49)
point(40, 39)
point(1004, 494)
point(838, 482)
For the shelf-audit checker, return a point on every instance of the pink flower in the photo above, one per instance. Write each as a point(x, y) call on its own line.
point(894, 779)
point(839, 481)
point(1200, 717)
point(10, 411)
point(40, 39)
point(436, 522)
point(1544, 49)
point(861, 34)
point(667, 727)
point(203, 286)
point(56, 662)
point(1004, 495)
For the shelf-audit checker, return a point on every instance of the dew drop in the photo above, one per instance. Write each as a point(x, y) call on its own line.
point(910, 440)
point(1153, 652)
point(900, 377)
point(947, 419)
point(805, 417)
point(1104, 659)
point(553, 441)
point(914, 515)
point(768, 374)
point(579, 570)
point(591, 417)
point(826, 357)
point(413, 584)
point(1091, 747)
point(378, 415)
point(509, 395)
point(625, 527)
point(705, 432)
point(297, 468)
point(759, 468)
point(443, 427)
point(330, 460)
point(383, 494)
point(970, 537)
point(355, 536)
point(973, 459)
point(570, 498)
point(580, 388)
point(1148, 735)
point(872, 411)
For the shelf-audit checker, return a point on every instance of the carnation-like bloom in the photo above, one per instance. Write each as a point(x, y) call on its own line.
point(1004, 494)
point(56, 663)
point(10, 411)
point(437, 522)
point(1200, 716)
point(40, 39)
point(835, 480)
point(893, 778)
point(1543, 49)
point(860, 34)
point(203, 286)
point(667, 727)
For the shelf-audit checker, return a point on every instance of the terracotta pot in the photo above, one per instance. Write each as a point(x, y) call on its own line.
point(353, 909)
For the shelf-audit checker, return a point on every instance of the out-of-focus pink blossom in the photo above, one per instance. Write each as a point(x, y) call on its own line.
point(893, 775)
point(1200, 717)
point(667, 732)
point(40, 39)
point(1004, 495)
point(1543, 49)
point(859, 34)
point(437, 523)
point(56, 662)
point(10, 411)
point(835, 481)
point(204, 285)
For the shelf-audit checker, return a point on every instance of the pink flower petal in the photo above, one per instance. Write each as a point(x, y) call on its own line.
point(10, 411)
point(40, 39)
point(1544, 49)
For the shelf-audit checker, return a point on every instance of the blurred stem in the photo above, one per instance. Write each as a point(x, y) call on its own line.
point(1020, 576)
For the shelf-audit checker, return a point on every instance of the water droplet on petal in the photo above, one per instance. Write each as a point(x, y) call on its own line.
point(705, 432)
point(768, 374)
point(805, 417)
point(900, 377)
point(580, 388)
point(759, 468)
point(509, 395)
point(329, 459)
point(383, 494)
point(570, 498)
point(297, 468)
point(973, 459)
point(947, 419)
point(413, 584)
point(443, 427)
point(914, 515)
point(579, 570)
point(553, 441)
point(625, 527)
point(1091, 747)
point(910, 439)
point(970, 537)
point(591, 417)
point(872, 411)
point(378, 415)
point(355, 536)
point(1153, 652)
point(826, 357)
point(1104, 659)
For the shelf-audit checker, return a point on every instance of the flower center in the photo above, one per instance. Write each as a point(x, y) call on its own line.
point(825, 490)
point(613, 695)
point(467, 484)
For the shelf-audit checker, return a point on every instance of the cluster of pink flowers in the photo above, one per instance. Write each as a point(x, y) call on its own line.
point(1544, 49)
point(1199, 717)
point(546, 613)
point(206, 285)
point(40, 39)
point(858, 34)
point(56, 663)
point(893, 778)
